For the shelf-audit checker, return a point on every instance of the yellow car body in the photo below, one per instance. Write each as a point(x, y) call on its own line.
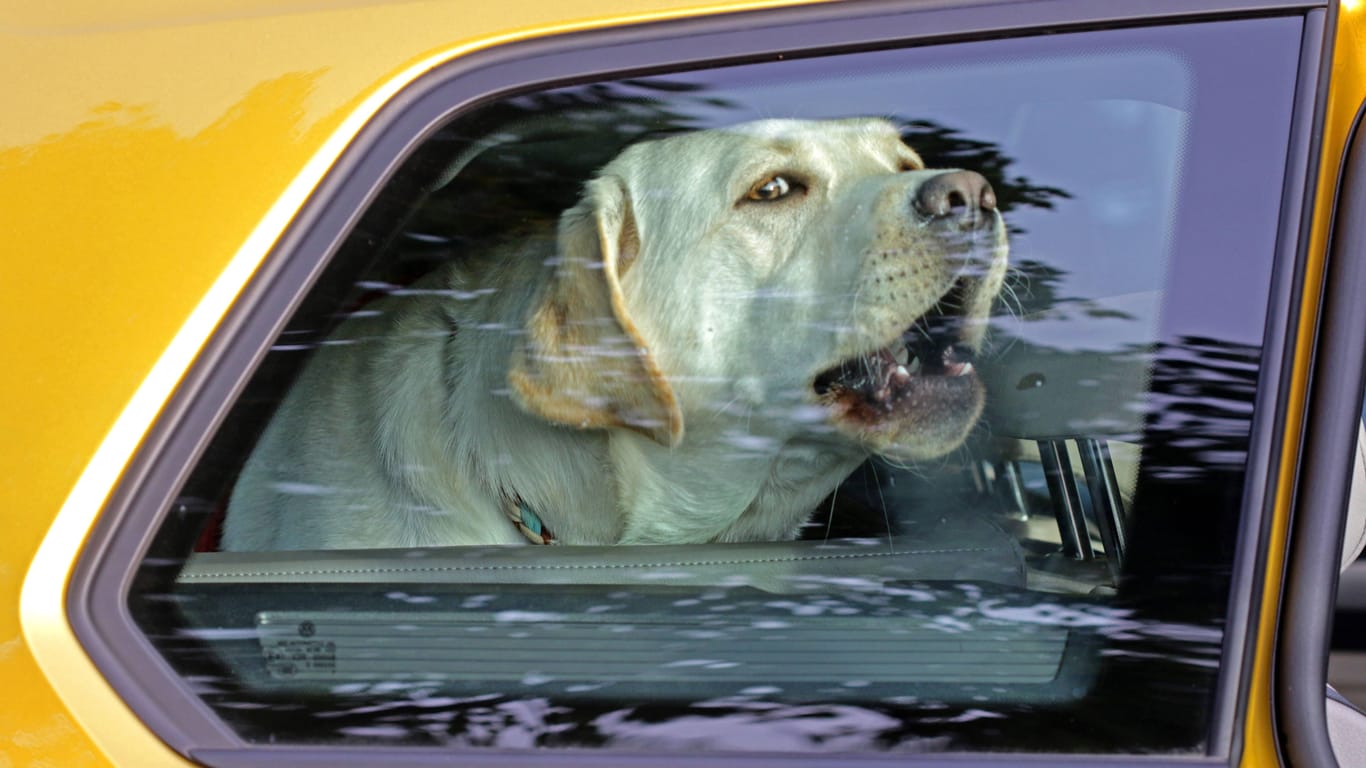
point(159, 106)
point(151, 153)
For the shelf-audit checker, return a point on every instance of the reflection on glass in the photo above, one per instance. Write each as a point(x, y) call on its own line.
point(934, 436)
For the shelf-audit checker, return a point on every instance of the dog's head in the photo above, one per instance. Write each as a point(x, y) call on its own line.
point(812, 276)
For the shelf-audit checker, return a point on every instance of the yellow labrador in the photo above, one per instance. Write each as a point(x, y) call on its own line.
point(723, 327)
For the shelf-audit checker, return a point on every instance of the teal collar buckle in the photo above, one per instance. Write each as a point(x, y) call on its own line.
point(527, 521)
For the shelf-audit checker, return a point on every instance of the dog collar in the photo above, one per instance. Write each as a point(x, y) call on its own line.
point(527, 521)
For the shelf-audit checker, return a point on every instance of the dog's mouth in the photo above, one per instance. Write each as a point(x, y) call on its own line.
point(915, 397)
point(927, 358)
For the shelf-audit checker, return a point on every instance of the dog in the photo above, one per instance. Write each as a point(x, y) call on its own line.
point(725, 325)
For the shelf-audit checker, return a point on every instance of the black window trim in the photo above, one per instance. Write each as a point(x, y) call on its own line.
point(1265, 451)
point(1319, 510)
point(102, 578)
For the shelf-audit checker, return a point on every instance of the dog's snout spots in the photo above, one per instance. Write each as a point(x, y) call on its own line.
point(958, 196)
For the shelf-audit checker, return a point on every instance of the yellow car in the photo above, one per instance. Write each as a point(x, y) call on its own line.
point(667, 383)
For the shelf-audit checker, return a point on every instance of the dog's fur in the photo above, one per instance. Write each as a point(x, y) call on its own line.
point(645, 374)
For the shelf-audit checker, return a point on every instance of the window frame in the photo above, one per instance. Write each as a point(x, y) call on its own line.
point(1337, 384)
point(103, 574)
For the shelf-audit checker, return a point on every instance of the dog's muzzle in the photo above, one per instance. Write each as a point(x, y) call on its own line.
point(919, 394)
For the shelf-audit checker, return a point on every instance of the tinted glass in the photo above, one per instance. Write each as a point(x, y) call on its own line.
point(866, 402)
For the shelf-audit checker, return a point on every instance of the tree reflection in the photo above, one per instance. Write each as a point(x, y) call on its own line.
point(541, 147)
point(944, 147)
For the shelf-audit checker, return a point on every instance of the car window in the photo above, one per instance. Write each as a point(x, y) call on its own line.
point(875, 401)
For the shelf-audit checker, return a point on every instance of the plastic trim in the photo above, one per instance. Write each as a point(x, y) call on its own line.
point(1265, 445)
point(1338, 380)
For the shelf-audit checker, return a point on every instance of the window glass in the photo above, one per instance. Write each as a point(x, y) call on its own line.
point(882, 401)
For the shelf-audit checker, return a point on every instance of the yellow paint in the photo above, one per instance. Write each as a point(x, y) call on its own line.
point(151, 151)
point(144, 150)
point(1347, 91)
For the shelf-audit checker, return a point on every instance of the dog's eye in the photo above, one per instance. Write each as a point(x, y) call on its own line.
point(772, 189)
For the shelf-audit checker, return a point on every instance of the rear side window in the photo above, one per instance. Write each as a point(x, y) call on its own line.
point(873, 402)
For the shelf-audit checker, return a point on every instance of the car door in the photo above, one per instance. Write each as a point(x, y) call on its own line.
point(1086, 575)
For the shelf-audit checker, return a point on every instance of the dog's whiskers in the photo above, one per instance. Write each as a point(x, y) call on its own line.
point(830, 516)
point(886, 517)
point(725, 407)
point(920, 328)
point(1011, 301)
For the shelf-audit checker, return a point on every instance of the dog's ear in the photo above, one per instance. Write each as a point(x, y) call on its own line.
point(584, 362)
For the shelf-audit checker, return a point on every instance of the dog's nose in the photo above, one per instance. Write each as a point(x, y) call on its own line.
point(956, 195)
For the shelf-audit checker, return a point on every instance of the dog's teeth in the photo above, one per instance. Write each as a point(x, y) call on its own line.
point(913, 367)
point(959, 369)
point(903, 355)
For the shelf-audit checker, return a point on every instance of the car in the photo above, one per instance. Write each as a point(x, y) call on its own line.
point(220, 211)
